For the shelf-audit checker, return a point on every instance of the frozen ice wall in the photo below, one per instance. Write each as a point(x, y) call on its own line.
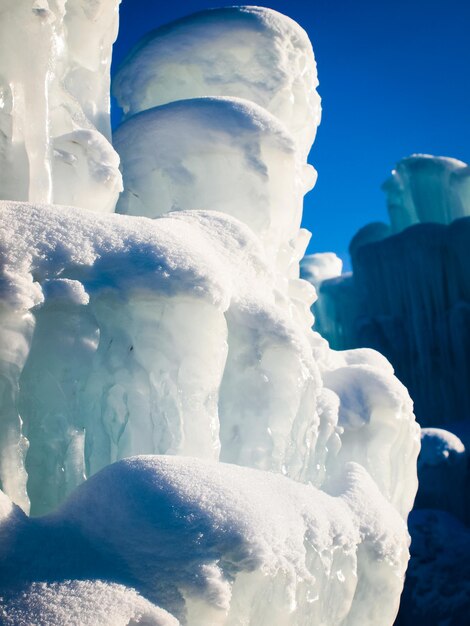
point(409, 295)
point(190, 330)
point(54, 104)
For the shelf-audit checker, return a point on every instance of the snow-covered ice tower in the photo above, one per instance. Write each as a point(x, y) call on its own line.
point(179, 326)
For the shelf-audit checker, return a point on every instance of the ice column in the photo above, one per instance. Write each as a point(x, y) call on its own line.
point(54, 105)
point(425, 188)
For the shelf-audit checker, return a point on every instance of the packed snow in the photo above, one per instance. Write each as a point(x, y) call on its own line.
point(179, 325)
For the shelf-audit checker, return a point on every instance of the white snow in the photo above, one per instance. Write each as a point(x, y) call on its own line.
point(80, 603)
point(218, 544)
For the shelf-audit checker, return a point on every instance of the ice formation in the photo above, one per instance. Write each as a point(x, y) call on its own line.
point(242, 52)
point(409, 298)
point(409, 294)
point(219, 544)
point(54, 102)
point(424, 188)
point(180, 326)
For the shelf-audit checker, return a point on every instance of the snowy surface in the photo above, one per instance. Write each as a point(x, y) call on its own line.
point(246, 52)
point(99, 281)
point(215, 543)
point(79, 603)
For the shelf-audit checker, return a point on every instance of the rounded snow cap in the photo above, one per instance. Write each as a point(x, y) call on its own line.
point(248, 52)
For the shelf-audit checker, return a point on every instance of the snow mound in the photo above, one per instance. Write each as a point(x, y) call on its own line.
point(240, 545)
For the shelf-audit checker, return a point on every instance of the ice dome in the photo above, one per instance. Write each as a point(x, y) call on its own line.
point(245, 52)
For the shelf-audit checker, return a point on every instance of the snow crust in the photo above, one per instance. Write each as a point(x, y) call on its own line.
point(247, 52)
point(183, 328)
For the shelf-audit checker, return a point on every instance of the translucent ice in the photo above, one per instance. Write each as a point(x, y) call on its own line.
point(247, 52)
point(54, 102)
point(424, 188)
point(409, 294)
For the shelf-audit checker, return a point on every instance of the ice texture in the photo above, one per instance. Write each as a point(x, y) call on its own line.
point(180, 326)
point(247, 52)
point(143, 300)
point(54, 102)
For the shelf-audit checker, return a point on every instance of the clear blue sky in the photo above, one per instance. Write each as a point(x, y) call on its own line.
point(394, 79)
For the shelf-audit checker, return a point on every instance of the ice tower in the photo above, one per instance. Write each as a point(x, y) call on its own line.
point(179, 326)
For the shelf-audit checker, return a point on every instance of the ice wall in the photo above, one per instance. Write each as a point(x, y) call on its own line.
point(190, 330)
point(409, 294)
